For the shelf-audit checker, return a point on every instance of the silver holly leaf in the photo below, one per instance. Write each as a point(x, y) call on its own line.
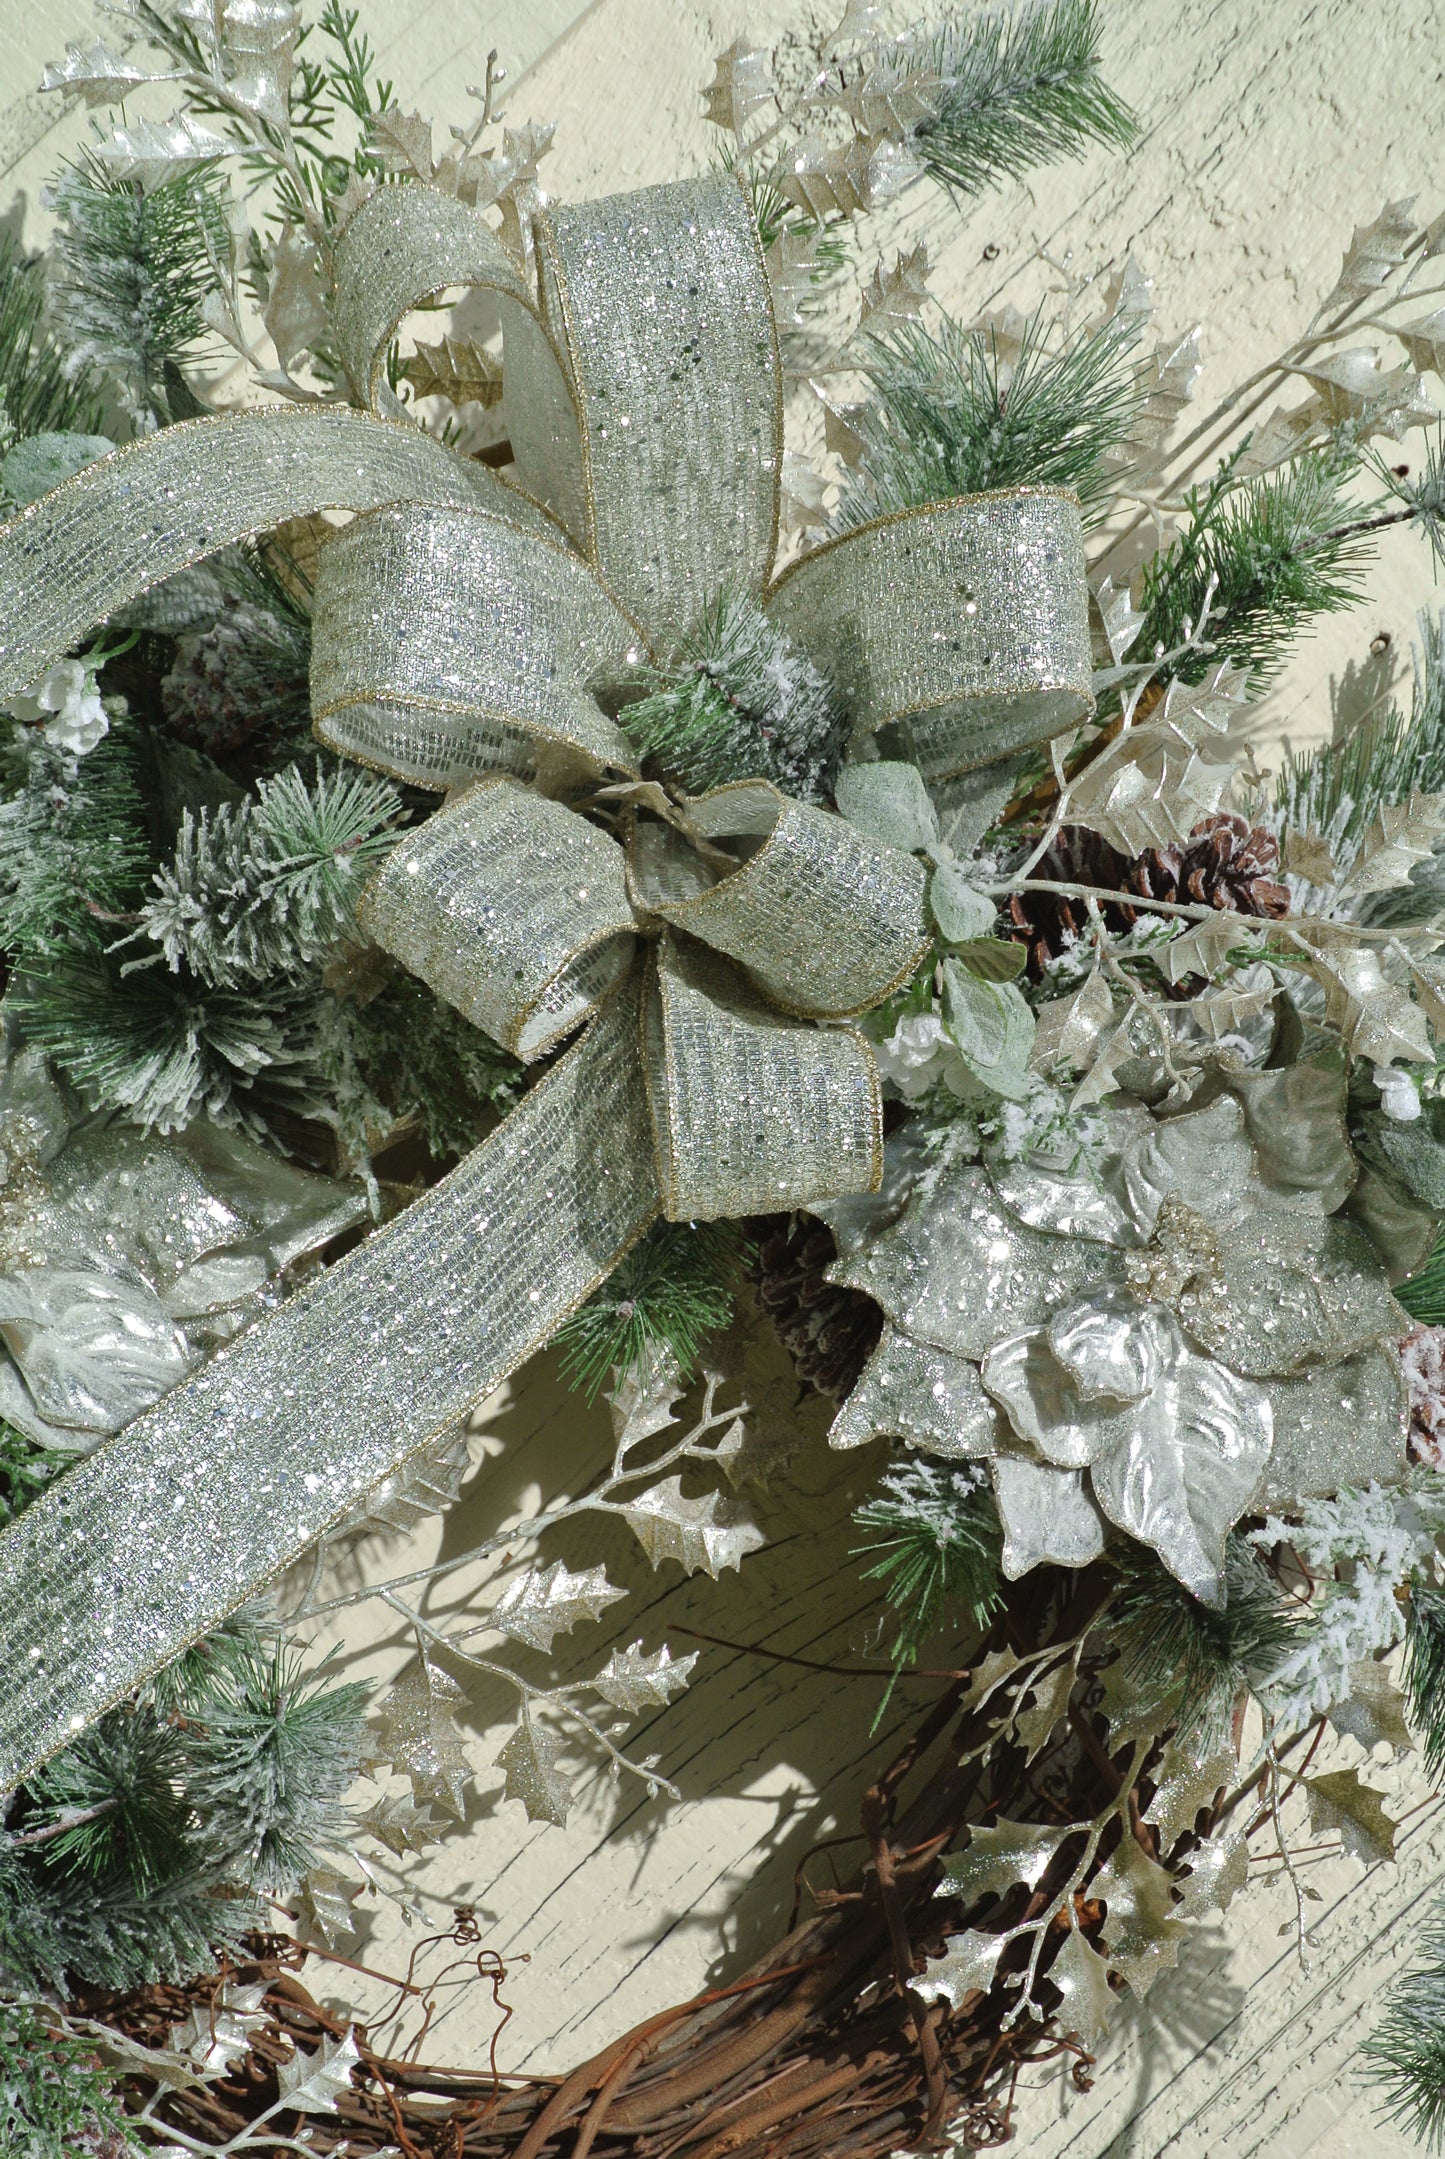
point(324, 1911)
point(1185, 1782)
point(741, 86)
point(1082, 1977)
point(418, 1733)
point(1121, 619)
point(634, 1682)
point(548, 1601)
point(1050, 1702)
point(1218, 1870)
point(1152, 793)
point(97, 74)
point(1374, 1709)
point(1375, 250)
point(1340, 1801)
point(643, 1401)
point(1399, 837)
point(312, 2083)
point(400, 1824)
point(1141, 1932)
point(528, 1758)
point(703, 1534)
point(217, 2033)
point(150, 152)
point(966, 1968)
point(995, 1859)
point(426, 1483)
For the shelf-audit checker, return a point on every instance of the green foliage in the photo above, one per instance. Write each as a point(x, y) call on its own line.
point(265, 887)
point(1423, 1295)
point(56, 2096)
point(1423, 1672)
point(673, 1290)
point(25, 1470)
point(739, 702)
point(408, 1052)
point(1266, 556)
point(73, 843)
point(1405, 2053)
point(131, 275)
point(1176, 1649)
point(951, 415)
point(1020, 89)
point(935, 1542)
point(41, 392)
point(1421, 495)
point(140, 1849)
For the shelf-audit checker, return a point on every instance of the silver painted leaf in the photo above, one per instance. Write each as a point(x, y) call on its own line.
point(1344, 1424)
point(1185, 1783)
point(1296, 1122)
point(1047, 1514)
point(1374, 1709)
point(995, 1859)
point(1141, 1932)
point(703, 1534)
point(1218, 1870)
point(1082, 1977)
point(909, 1390)
point(1340, 1801)
point(962, 1272)
point(1289, 1292)
point(634, 1682)
point(1068, 1030)
point(150, 152)
point(1378, 1019)
point(528, 1758)
point(312, 2083)
point(966, 1968)
point(1073, 1194)
point(425, 1484)
point(418, 1733)
point(548, 1601)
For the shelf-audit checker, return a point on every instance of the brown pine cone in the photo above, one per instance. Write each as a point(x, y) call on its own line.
point(243, 678)
point(1226, 863)
point(828, 1331)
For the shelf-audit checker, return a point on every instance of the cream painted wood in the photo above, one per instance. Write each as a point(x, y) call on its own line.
point(1270, 130)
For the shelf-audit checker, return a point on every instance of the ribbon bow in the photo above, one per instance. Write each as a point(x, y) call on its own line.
point(462, 628)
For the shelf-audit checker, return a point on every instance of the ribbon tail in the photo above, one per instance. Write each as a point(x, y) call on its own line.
point(151, 1541)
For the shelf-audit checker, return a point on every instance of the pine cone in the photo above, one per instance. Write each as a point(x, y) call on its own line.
point(828, 1331)
point(245, 677)
point(1226, 863)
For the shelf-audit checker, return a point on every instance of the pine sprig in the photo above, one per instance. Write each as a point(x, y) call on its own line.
point(739, 701)
point(1198, 1657)
point(413, 1056)
point(934, 1543)
point(73, 843)
point(952, 416)
point(1020, 89)
point(42, 391)
point(1405, 2053)
point(1423, 1295)
point(1423, 1672)
point(56, 2097)
point(672, 1291)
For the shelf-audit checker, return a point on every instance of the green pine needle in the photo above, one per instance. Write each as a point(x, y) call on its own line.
point(1020, 89)
point(1201, 1658)
point(56, 2095)
point(950, 418)
point(934, 1541)
point(25, 1469)
point(1423, 1673)
point(73, 842)
point(674, 1290)
point(416, 1057)
point(42, 391)
point(1423, 1295)
point(1405, 2053)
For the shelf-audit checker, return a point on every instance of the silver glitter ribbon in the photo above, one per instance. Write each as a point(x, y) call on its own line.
point(462, 631)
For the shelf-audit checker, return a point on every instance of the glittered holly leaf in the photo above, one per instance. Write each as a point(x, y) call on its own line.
point(100, 76)
point(1185, 1783)
point(633, 1682)
point(989, 1677)
point(1200, 711)
point(1132, 1709)
point(825, 180)
point(528, 1759)
point(803, 490)
point(894, 296)
point(1122, 621)
point(1069, 1030)
point(1425, 342)
point(402, 141)
point(323, 1903)
point(548, 1601)
point(1374, 1710)
point(1339, 1801)
point(966, 1968)
point(1141, 1933)
point(995, 1859)
point(993, 1027)
point(1152, 794)
point(643, 1401)
point(312, 2083)
point(1171, 374)
point(149, 152)
point(418, 1733)
point(454, 369)
point(1399, 835)
point(1204, 949)
point(859, 16)
point(400, 1824)
point(425, 1484)
point(1353, 386)
point(1035, 1725)
point(1307, 855)
point(795, 269)
point(1218, 1870)
point(497, 179)
point(219, 2032)
point(741, 86)
point(1377, 1019)
point(1374, 251)
point(757, 1445)
point(1082, 1977)
point(1127, 294)
point(170, 2067)
point(703, 1534)
point(890, 98)
point(295, 310)
point(1225, 1012)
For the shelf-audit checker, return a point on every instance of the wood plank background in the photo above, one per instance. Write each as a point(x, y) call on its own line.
point(1271, 127)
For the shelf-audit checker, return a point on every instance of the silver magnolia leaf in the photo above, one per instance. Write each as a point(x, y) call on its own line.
point(995, 1859)
point(1082, 1977)
point(312, 2083)
point(633, 1682)
point(1047, 1515)
point(703, 1534)
point(548, 1601)
point(966, 1968)
point(1340, 1801)
point(528, 1758)
point(929, 1397)
point(150, 152)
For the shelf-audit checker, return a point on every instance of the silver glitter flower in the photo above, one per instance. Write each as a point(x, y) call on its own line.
point(1158, 1330)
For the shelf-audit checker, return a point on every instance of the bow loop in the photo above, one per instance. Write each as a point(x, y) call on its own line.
point(751, 1112)
point(512, 908)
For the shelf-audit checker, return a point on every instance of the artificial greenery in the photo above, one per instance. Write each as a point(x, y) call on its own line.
point(739, 701)
point(1423, 1672)
point(1405, 2053)
point(1198, 1657)
point(43, 391)
point(933, 1541)
point(25, 1470)
point(73, 843)
point(1423, 1295)
point(56, 2095)
point(415, 1057)
point(1019, 88)
point(672, 1291)
point(955, 413)
point(146, 1844)
point(132, 273)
